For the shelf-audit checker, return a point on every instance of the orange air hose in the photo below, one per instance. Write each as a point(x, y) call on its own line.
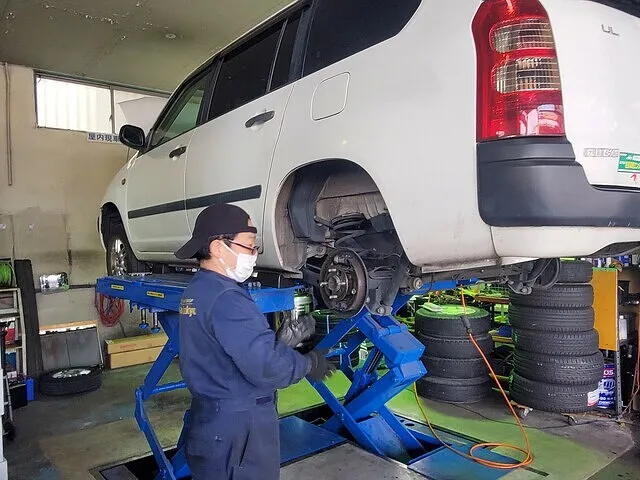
point(489, 463)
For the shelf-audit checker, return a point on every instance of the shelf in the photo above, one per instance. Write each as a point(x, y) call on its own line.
point(12, 347)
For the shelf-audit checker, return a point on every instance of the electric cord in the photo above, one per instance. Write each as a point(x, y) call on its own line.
point(551, 427)
point(488, 463)
point(109, 308)
point(636, 380)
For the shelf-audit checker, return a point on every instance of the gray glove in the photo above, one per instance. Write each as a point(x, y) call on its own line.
point(294, 331)
point(321, 368)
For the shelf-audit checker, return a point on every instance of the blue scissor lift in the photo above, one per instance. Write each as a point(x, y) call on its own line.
point(362, 413)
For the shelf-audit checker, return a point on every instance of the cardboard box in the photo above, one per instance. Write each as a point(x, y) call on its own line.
point(134, 357)
point(141, 342)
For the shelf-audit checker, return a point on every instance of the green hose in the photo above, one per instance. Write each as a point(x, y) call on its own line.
point(6, 274)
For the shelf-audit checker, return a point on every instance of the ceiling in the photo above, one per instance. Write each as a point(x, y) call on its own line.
point(141, 43)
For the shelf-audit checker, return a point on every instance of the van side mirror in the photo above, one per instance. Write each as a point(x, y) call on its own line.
point(132, 137)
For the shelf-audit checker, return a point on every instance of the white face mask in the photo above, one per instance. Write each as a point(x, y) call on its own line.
point(244, 266)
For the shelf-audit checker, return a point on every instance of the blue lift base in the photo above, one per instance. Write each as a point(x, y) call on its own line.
point(361, 415)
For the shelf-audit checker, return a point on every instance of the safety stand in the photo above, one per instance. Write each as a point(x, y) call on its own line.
point(362, 412)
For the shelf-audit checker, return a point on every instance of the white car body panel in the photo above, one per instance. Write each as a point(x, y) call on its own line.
point(224, 155)
point(405, 111)
point(389, 129)
point(599, 57)
point(159, 232)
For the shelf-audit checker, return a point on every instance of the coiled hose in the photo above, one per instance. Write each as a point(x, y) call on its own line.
point(109, 308)
point(7, 275)
point(526, 451)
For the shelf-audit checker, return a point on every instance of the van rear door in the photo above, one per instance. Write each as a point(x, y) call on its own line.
point(598, 48)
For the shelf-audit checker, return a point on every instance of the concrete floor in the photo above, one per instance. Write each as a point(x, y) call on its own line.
point(63, 438)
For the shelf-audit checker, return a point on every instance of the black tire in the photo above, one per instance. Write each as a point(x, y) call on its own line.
point(551, 319)
point(558, 296)
point(326, 321)
point(455, 367)
point(585, 370)
point(450, 326)
point(552, 398)
point(9, 430)
point(116, 239)
point(81, 380)
point(555, 343)
point(468, 390)
point(25, 281)
point(455, 347)
point(571, 272)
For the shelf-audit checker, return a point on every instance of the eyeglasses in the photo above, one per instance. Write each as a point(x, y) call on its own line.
point(253, 250)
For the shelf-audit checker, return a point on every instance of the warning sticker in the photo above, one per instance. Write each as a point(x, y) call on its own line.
point(601, 152)
point(629, 162)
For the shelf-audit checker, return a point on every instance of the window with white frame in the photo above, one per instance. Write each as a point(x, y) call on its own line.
point(73, 105)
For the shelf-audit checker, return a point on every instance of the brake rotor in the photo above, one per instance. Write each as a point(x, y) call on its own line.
point(343, 282)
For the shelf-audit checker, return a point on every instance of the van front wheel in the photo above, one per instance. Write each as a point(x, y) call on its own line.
point(120, 259)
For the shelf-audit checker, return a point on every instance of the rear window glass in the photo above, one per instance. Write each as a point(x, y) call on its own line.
point(629, 6)
point(343, 28)
point(244, 73)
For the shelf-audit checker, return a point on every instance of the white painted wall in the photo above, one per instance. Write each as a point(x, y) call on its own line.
point(49, 213)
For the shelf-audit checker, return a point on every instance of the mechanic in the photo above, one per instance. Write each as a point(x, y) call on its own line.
point(230, 359)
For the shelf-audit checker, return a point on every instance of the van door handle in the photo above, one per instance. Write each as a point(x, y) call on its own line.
point(178, 151)
point(260, 118)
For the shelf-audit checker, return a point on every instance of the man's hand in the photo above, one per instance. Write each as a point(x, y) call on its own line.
point(294, 331)
point(320, 366)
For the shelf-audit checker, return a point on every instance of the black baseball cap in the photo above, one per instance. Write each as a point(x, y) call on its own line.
point(215, 220)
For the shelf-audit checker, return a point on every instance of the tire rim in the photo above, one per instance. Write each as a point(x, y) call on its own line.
point(71, 372)
point(117, 258)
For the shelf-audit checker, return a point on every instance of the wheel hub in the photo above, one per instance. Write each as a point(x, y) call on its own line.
point(118, 255)
point(71, 372)
point(343, 282)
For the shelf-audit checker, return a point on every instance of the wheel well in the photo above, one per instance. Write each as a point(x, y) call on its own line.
point(108, 211)
point(314, 195)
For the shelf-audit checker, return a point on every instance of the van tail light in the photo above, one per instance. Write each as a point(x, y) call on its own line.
point(519, 91)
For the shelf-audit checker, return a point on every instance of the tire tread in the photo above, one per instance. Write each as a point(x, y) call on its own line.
point(551, 319)
point(556, 343)
point(70, 386)
point(583, 370)
point(558, 296)
point(469, 390)
point(455, 347)
point(550, 398)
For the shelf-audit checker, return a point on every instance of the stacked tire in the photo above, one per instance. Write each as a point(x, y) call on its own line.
point(456, 372)
point(557, 364)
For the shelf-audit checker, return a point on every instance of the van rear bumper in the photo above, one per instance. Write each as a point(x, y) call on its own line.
point(536, 182)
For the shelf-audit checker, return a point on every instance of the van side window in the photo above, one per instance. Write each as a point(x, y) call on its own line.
point(343, 28)
point(244, 73)
point(183, 112)
point(285, 53)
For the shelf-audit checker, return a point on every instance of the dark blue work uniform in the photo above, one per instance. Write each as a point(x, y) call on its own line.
point(232, 364)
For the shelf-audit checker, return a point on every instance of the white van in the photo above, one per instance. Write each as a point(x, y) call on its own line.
point(380, 144)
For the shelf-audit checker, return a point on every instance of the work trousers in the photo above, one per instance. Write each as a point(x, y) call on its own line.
point(233, 439)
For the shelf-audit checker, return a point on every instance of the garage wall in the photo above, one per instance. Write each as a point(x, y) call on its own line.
point(49, 213)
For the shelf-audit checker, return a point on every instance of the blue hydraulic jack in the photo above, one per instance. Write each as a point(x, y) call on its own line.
point(362, 413)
